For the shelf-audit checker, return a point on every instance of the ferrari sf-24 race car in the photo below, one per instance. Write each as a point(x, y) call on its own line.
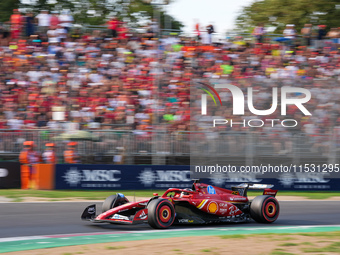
point(200, 205)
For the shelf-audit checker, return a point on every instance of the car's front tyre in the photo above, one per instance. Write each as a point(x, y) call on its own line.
point(161, 213)
point(114, 201)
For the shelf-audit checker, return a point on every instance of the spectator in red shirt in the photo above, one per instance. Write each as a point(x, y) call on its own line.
point(113, 26)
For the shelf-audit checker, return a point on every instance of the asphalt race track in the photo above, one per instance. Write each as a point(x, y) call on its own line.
point(49, 218)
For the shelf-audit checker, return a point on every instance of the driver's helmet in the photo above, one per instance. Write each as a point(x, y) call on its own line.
point(185, 193)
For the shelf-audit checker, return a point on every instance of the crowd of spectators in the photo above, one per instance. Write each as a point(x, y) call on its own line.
point(101, 79)
point(117, 78)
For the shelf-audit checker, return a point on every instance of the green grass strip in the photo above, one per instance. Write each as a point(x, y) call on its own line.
point(64, 194)
point(59, 195)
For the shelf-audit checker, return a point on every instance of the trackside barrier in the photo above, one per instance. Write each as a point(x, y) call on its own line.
point(26, 177)
point(10, 175)
point(162, 177)
point(38, 176)
point(45, 176)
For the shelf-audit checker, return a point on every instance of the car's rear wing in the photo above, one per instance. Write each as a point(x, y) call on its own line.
point(244, 187)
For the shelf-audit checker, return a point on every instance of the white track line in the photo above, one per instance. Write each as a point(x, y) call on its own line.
point(20, 238)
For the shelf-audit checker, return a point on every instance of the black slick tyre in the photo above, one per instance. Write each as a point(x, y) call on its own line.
point(109, 203)
point(161, 213)
point(114, 201)
point(264, 209)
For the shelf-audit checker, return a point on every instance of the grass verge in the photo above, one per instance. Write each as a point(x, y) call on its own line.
point(57, 195)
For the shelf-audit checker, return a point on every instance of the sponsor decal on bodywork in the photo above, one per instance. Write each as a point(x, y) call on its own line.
point(233, 210)
point(223, 210)
point(238, 199)
point(185, 221)
point(212, 207)
point(211, 190)
point(119, 217)
point(270, 192)
point(91, 210)
point(141, 215)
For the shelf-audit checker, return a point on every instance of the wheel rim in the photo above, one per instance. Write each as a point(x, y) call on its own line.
point(270, 209)
point(165, 214)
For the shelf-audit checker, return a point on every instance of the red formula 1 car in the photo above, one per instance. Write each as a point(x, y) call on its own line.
point(200, 205)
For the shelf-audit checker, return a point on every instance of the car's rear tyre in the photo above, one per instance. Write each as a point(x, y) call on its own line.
point(264, 209)
point(114, 201)
point(161, 213)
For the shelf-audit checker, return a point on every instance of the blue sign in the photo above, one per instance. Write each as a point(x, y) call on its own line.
point(162, 177)
point(121, 177)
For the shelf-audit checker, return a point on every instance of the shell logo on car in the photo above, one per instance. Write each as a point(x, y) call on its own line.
point(212, 207)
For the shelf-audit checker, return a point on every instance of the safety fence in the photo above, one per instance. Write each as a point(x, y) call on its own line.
point(241, 146)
